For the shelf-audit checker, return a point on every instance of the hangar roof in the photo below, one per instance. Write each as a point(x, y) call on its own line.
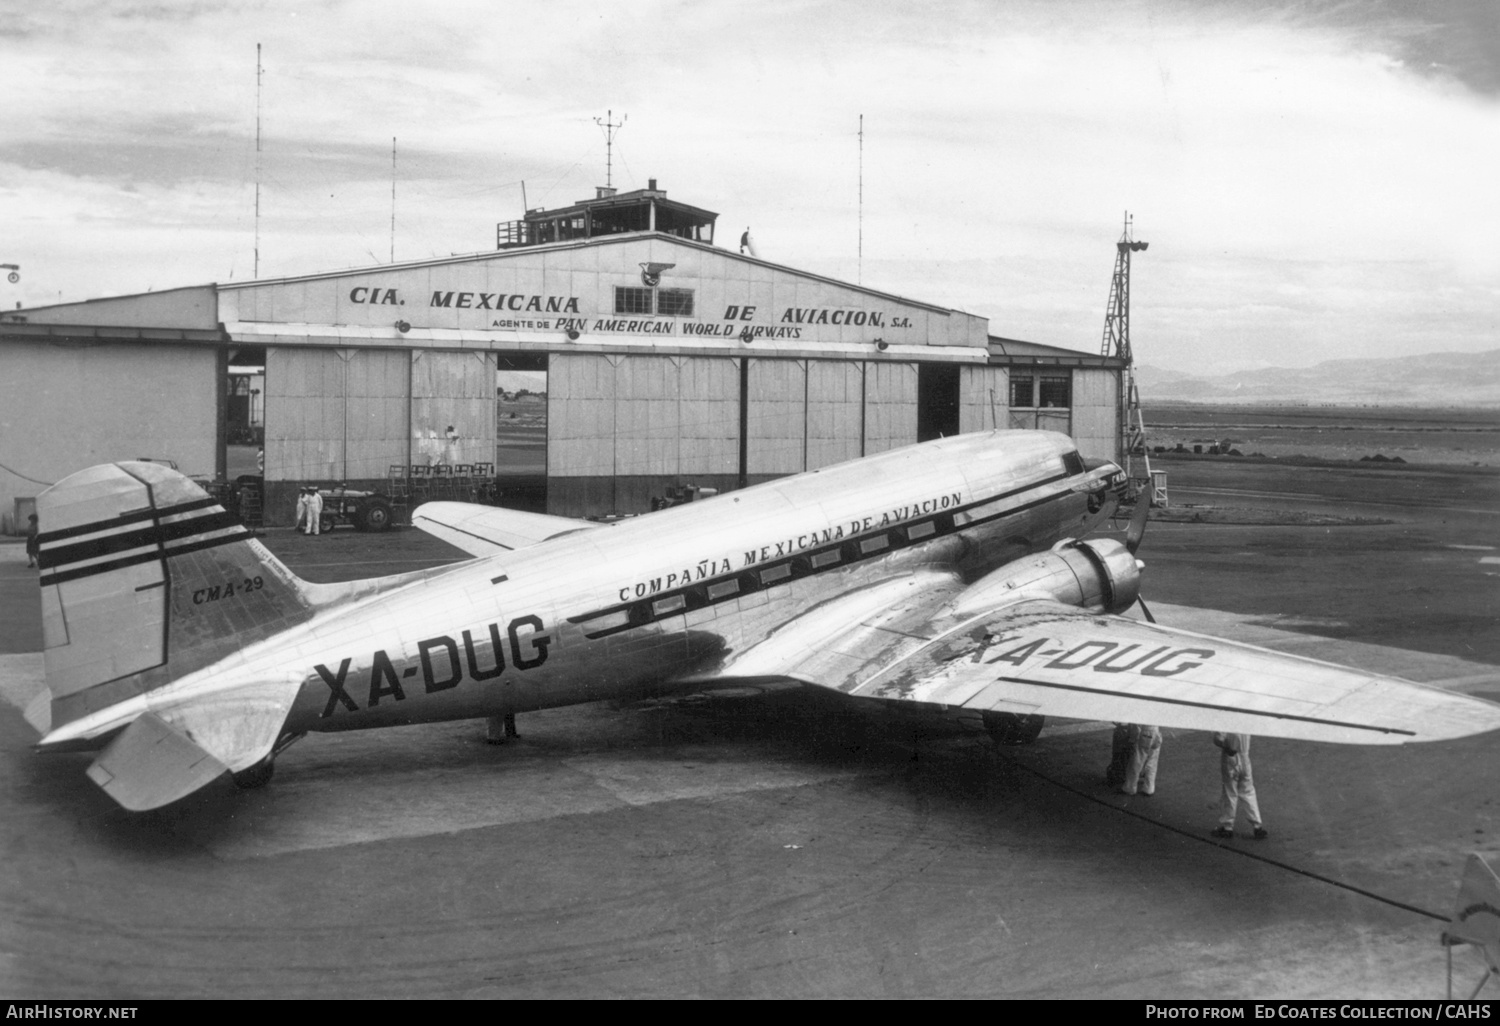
point(487, 256)
point(193, 308)
point(1014, 351)
point(525, 297)
point(635, 291)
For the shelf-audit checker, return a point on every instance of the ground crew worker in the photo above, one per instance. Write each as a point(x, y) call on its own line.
point(1140, 773)
point(1239, 785)
point(314, 510)
point(301, 509)
point(33, 547)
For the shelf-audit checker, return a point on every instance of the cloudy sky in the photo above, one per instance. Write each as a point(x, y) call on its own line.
point(1316, 178)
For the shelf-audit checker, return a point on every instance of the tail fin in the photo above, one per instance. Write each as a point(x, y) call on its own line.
point(145, 578)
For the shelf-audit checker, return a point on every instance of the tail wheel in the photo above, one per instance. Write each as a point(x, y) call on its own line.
point(1013, 728)
point(258, 775)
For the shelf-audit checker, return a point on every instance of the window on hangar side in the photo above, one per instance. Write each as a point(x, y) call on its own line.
point(1051, 390)
point(1041, 399)
point(674, 302)
point(632, 299)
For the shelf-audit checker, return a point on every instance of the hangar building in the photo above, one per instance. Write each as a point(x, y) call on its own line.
point(651, 358)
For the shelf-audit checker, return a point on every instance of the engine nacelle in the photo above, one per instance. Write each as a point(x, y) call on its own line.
point(1099, 574)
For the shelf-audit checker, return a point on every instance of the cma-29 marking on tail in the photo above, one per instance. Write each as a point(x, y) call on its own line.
point(179, 648)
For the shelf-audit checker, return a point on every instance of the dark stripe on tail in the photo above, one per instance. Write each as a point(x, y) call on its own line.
point(135, 517)
point(155, 534)
point(60, 563)
point(144, 557)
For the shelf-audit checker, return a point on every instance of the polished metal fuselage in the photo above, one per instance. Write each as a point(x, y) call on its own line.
point(628, 609)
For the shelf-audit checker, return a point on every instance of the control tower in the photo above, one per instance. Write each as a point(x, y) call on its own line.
point(609, 213)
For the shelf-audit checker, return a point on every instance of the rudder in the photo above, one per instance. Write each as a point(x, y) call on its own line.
point(146, 578)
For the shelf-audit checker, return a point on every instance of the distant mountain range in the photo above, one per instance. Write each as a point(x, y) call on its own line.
point(1433, 379)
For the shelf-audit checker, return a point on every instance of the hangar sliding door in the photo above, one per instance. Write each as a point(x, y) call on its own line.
point(334, 414)
point(623, 429)
point(890, 406)
point(835, 411)
point(375, 412)
point(982, 403)
point(709, 418)
point(581, 416)
point(775, 419)
point(647, 417)
point(452, 408)
point(304, 414)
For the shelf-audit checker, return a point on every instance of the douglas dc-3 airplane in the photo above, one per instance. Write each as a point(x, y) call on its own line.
point(949, 574)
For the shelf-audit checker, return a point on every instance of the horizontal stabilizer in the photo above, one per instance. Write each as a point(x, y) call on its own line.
point(38, 711)
point(486, 530)
point(149, 765)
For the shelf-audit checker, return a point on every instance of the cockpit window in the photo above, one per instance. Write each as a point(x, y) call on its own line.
point(1072, 462)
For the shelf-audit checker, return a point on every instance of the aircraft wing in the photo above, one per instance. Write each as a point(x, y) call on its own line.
point(486, 530)
point(1038, 656)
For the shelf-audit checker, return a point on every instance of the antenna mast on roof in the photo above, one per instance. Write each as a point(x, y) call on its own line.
point(393, 199)
point(255, 272)
point(609, 127)
point(860, 274)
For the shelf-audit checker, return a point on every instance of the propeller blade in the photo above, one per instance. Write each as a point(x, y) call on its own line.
point(1137, 529)
point(1144, 609)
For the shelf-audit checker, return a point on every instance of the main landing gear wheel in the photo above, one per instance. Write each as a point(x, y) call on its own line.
point(258, 775)
point(1012, 729)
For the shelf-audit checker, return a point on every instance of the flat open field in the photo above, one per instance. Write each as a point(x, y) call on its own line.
point(1452, 436)
point(780, 846)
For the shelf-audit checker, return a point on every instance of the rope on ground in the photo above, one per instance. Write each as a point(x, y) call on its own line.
point(1236, 850)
